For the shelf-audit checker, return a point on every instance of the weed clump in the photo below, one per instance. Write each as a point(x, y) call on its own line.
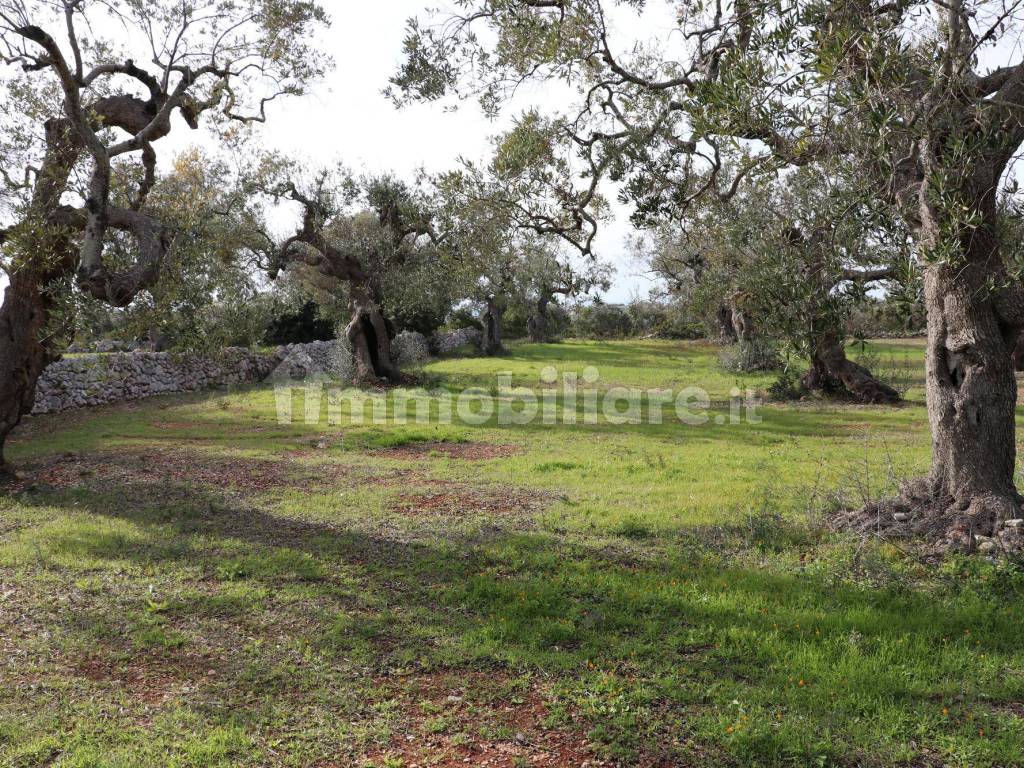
point(753, 356)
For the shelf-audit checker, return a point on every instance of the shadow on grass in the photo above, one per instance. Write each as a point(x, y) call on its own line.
point(132, 424)
point(647, 641)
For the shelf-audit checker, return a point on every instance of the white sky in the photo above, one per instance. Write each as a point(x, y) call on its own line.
point(346, 118)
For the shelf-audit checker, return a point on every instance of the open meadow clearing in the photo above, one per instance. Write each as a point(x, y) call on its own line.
point(186, 582)
point(511, 384)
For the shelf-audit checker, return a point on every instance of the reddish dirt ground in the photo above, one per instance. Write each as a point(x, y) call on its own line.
point(156, 465)
point(465, 451)
point(456, 499)
point(148, 677)
point(476, 704)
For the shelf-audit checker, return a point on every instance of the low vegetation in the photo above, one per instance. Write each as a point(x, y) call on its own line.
point(187, 582)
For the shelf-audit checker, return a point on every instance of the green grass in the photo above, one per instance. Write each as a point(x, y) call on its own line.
point(186, 582)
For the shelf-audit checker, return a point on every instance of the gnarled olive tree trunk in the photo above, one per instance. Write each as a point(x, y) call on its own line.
point(24, 354)
point(370, 334)
point(831, 371)
point(539, 324)
point(834, 373)
point(494, 312)
point(743, 324)
point(725, 325)
point(973, 329)
point(972, 399)
point(45, 248)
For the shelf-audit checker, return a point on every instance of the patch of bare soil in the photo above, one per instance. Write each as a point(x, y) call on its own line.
point(161, 466)
point(465, 451)
point(147, 678)
point(457, 499)
point(1012, 708)
point(472, 704)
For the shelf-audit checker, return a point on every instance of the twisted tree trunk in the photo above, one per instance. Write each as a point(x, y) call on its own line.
point(494, 312)
point(539, 323)
point(831, 371)
point(975, 318)
point(835, 374)
point(24, 354)
point(370, 334)
point(972, 397)
point(45, 250)
point(725, 324)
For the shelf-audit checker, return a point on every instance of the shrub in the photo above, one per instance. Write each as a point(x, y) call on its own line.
point(664, 320)
point(602, 321)
point(300, 327)
point(787, 387)
point(410, 349)
point(751, 356)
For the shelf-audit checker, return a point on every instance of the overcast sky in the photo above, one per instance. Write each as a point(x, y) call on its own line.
point(347, 118)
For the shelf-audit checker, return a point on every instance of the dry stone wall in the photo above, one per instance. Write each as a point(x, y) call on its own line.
point(83, 381)
point(454, 341)
point(89, 380)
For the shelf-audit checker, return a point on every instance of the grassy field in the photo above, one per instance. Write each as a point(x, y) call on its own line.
point(188, 582)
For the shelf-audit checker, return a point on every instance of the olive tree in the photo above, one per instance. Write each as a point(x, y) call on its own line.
point(549, 274)
point(798, 253)
point(496, 257)
point(923, 99)
point(210, 294)
point(102, 83)
point(355, 235)
point(818, 263)
point(702, 257)
point(482, 249)
point(506, 224)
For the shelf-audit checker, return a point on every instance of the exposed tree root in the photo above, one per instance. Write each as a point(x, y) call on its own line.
point(834, 374)
point(865, 390)
point(988, 524)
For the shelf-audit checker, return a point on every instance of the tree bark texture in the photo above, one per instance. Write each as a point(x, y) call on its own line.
point(46, 243)
point(369, 334)
point(835, 374)
point(539, 323)
point(725, 324)
point(975, 319)
point(494, 312)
